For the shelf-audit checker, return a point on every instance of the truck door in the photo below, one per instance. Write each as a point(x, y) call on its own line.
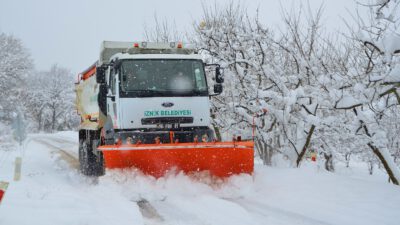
point(112, 98)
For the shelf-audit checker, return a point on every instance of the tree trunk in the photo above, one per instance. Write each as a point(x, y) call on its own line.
point(382, 157)
point(40, 121)
point(264, 152)
point(385, 163)
point(268, 155)
point(329, 162)
point(53, 120)
point(371, 167)
point(308, 140)
point(347, 156)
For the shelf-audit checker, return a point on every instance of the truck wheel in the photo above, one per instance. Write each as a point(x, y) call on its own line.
point(91, 164)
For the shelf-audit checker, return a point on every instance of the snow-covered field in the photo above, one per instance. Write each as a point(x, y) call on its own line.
point(51, 191)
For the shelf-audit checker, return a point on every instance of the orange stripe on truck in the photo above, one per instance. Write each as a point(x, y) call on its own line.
point(89, 73)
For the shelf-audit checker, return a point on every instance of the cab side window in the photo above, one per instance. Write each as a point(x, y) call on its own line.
point(112, 81)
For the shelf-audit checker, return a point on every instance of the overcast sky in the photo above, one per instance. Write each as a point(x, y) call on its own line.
point(69, 32)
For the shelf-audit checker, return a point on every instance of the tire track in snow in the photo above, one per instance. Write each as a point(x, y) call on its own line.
point(71, 160)
point(276, 215)
point(149, 213)
point(203, 209)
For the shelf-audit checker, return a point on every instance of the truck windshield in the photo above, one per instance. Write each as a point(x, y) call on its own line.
point(162, 77)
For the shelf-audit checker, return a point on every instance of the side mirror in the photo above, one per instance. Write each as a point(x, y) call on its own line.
point(101, 75)
point(117, 64)
point(217, 89)
point(219, 77)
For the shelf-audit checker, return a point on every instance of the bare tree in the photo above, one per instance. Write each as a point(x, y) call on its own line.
point(372, 92)
point(51, 99)
point(277, 72)
point(162, 31)
point(15, 66)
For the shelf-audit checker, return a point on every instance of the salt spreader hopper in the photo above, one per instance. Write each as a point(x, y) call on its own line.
point(146, 105)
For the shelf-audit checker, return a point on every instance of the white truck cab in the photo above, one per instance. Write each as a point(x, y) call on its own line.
point(151, 89)
point(157, 91)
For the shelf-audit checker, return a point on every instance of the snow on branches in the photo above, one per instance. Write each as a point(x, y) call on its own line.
point(278, 72)
point(374, 88)
point(46, 98)
point(324, 93)
point(52, 99)
point(15, 65)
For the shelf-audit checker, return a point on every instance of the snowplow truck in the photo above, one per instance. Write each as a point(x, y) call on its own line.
point(146, 105)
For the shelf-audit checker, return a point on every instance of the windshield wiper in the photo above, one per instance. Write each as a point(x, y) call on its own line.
point(150, 92)
point(167, 92)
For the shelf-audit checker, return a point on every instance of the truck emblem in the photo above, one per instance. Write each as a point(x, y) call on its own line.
point(167, 104)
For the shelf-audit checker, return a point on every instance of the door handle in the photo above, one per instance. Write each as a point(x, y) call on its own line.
point(112, 98)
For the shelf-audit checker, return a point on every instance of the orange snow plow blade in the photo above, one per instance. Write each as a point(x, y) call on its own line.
point(221, 159)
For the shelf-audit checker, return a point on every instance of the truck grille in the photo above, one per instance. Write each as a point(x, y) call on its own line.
point(167, 120)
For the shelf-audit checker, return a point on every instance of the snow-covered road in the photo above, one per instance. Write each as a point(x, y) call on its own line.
point(51, 191)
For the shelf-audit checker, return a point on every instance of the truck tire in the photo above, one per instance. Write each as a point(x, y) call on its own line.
point(91, 164)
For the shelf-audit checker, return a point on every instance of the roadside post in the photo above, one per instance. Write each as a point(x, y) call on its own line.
point(19, 135)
